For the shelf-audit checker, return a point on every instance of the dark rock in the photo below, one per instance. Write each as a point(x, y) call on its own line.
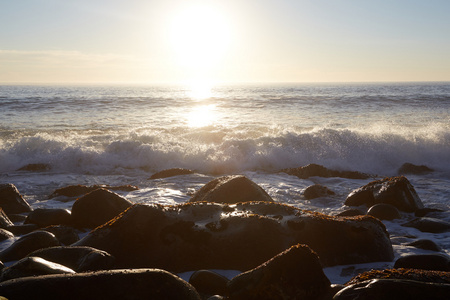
point(396, 191)
point(79, 259)
point(216, 297)
point(79, 190)
point(427, 210)
point(316, 191)
point(5, 234)
point(97, 208)
point(231, 189)
point(17, 218)
point(12, 201)
point(384, 211)
point(22, 229)
point(44, 217)
point(320, 171)
point(352, 212)
point(5, 222)
point(33, 266)
point(293, 274)
point(408, 168)
point(27, 244)
point(66, 235)
point(429, 225)
point(35, 168)
point(437, 262)
point(394, 289)
point(407, 274)
point(425, 244)
point(208, 283)
point(203, 235)
point(114, 284)
point(171, 173)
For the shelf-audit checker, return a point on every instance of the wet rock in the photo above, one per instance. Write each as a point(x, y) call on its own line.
point(97, 208)
point(80, 259)
point(316, 191)
point(203, 235)
point(5, 234)
point(231, 189)
point(293, 274)
point(22, 229)
point(33, 266)
point(408, 168)
point(408, 274)
point(394, 289)
point(429, 225)
point(396, 191)
point(426, 211)
point(351, 213)
point(65, 235)
point(27, 244)
point(208, 283)
point(11, 201)
point(114, 284)
point(5, 222)
point(36, 168)
point(437, 262)
point(320, 171)
point(44, 217)
point(171, 173)
point(17, 218)
point(425, 244)
point(79, 190)
point(384, 211)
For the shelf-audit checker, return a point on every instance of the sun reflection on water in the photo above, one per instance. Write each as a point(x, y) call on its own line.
point(202, 116)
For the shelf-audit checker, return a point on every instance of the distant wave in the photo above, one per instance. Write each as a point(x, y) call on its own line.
point(226, 150)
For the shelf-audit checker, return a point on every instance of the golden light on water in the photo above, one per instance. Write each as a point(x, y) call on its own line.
point(202, 116)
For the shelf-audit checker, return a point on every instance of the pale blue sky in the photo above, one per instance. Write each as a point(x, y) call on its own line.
point(267, 40)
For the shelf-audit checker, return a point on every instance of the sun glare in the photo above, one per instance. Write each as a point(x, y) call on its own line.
point(200, 36)
point(201, 116)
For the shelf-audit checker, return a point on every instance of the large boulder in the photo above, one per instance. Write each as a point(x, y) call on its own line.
point(33, 266)
point(80, 259)
point(114, 284)
point(321, 171)
point(97, 208)
point(44, 217)
point(27, 244)
point(394, 289)
point(203, 235)
point(231, 189)
point(396, 191)
point(293, 274)
point(12, 201)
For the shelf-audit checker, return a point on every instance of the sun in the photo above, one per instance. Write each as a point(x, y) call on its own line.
point(199, 37)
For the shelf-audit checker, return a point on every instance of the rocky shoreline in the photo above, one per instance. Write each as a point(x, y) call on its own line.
point(133, 251)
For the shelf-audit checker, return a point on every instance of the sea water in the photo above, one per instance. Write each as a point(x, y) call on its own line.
point(120, 135)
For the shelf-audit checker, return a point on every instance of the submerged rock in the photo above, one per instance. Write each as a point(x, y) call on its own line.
point(218, 236)
point(97, 208)
point(396, 191)
point(426, 245)
point(437, 262)
point(316, 191)
point(429, 225)
point(171, 173)
point(231, 189)
point(11, 201)
point(79, 190)
point(408, 168)
point(293, 274)
point(320, 171)
point(114, 284)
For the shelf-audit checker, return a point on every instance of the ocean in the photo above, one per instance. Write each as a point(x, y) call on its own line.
point(118, 135)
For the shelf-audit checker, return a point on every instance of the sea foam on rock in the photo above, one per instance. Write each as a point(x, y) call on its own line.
point(231, 189)
point(203, 235)
point(396, 191)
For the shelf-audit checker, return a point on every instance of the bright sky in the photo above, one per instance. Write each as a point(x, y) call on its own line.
point(168, 41)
